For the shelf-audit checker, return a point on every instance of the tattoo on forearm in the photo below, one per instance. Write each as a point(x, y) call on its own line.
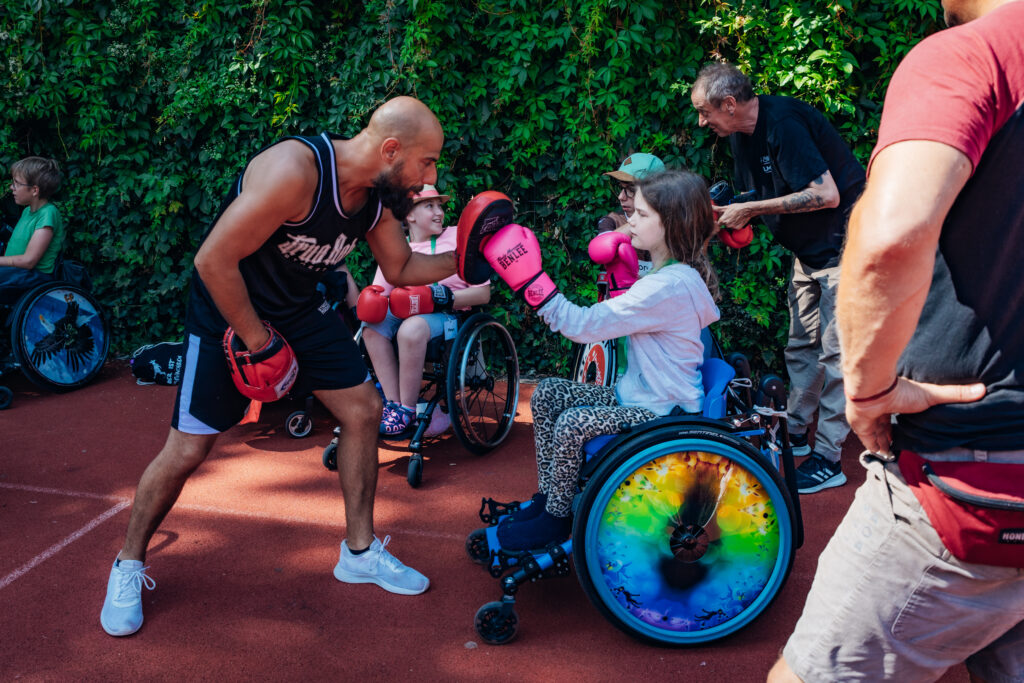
point(802, 201)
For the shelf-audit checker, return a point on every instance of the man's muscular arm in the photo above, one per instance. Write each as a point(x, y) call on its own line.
point(400, 266)
point(278, 186)
point(821, 193)
point(886, 273)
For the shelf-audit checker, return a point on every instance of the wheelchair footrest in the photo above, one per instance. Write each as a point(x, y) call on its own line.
point(491, 510)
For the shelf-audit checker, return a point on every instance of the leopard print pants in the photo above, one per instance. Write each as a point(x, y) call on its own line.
point(566, 414)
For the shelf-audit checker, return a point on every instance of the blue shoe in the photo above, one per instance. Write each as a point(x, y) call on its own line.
point(817, 473)
point(122, 608)
point(534, 533)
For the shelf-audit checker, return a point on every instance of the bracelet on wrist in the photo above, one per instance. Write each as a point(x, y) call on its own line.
point(877, 396)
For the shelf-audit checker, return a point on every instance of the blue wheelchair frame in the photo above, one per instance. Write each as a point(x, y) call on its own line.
point(700, 582)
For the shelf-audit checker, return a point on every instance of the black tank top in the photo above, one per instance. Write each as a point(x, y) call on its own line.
point(281, 276)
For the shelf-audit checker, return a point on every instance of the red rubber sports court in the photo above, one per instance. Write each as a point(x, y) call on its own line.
point(242, 565)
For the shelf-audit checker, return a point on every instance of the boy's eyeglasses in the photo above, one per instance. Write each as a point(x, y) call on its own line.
point(628, 189)
point(16, 184)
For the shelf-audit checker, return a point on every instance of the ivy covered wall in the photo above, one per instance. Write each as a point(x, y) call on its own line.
point(152, 107)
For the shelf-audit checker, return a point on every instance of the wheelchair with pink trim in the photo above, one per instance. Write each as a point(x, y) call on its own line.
point(685, 528)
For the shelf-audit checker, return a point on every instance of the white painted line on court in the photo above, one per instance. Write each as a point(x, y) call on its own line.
point(62, 492)
point(212, 509)
point(57, 547)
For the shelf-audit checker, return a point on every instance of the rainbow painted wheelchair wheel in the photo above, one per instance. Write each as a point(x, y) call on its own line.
point(684, 535)
point(60, 336)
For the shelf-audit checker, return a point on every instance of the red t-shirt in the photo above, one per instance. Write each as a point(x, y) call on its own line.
point(964, 87)
point(958, 86)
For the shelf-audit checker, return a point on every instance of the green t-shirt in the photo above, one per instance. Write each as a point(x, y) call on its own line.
point(47, 215)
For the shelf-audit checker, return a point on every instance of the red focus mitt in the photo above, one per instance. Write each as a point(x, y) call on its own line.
point(265, 374)
point(486, 214)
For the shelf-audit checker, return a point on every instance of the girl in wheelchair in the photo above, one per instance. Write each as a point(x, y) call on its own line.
point(662, 314)
point(409, 317)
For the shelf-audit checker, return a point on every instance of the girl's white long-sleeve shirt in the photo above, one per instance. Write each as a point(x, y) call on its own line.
point(663, 314)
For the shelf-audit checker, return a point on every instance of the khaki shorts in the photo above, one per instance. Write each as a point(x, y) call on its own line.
point(889, 602)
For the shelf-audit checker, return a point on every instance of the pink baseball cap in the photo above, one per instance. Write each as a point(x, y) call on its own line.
point(429, 192)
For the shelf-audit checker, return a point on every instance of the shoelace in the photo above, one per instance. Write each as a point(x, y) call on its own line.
point(386, 558)
point(136, 579)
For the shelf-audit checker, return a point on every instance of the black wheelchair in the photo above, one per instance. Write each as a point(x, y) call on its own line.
point(474, 378)
point(57, 335)
point(685, 528)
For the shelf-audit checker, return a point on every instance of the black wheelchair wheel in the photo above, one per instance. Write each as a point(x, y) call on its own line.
point(482, 383)
point(299, 424)
point(330, 456)
point(595, 363)
point(414, 472)
point(476, 546)
point(684, 535)
point(60, 336)
point(6, 396)
point(496, 622)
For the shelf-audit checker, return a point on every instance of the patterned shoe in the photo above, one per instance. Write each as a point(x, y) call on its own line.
point(397, 422)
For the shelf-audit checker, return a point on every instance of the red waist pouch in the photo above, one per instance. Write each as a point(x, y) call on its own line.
point(977, 508)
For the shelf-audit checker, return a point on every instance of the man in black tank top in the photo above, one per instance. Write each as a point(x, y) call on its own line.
point(806, 180)
point(297, 209)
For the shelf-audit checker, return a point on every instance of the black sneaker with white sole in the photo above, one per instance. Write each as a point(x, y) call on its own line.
point(799, 444)
point(817, 474)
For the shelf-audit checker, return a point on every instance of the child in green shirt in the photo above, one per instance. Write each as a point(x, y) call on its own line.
point(39, 235)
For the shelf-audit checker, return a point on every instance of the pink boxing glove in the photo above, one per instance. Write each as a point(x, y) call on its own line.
point(514, 253)
point(614, 251)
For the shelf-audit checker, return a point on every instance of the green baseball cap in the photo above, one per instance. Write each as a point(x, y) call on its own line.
point(636, 166)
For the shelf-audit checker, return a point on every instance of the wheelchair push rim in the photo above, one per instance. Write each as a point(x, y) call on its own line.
point(482, 383)
point(60, 336)
point(684, 537)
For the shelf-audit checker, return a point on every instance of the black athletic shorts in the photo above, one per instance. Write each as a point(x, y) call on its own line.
point(328, 357)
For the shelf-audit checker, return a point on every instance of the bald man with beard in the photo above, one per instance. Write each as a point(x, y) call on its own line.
point(294, 213)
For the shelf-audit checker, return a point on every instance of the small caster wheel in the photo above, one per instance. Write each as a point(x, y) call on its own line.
point(414, 475)
point(331, 455)
point(476, 546)
point(496, 622)
point(299, 424)
point(6, 397)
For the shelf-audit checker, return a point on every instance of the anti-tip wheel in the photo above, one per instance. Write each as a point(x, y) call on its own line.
point(496, 622)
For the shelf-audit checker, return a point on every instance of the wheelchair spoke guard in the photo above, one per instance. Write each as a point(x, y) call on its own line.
point(59, 336)
point(683, 536)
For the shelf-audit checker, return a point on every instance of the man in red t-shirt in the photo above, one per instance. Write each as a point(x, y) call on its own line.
point(932, 335)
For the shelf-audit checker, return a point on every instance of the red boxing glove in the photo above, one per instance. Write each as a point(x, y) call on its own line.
point(514, 253)
point(410, 301)
point(737, 239)
point(614, 251)
point(372, 305)
point(265, 374)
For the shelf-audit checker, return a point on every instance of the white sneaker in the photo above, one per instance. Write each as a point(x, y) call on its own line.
point(122, 608)
point(439, 423)
point(379, 566)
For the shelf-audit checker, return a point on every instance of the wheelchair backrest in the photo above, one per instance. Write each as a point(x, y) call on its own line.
point(715, 375)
